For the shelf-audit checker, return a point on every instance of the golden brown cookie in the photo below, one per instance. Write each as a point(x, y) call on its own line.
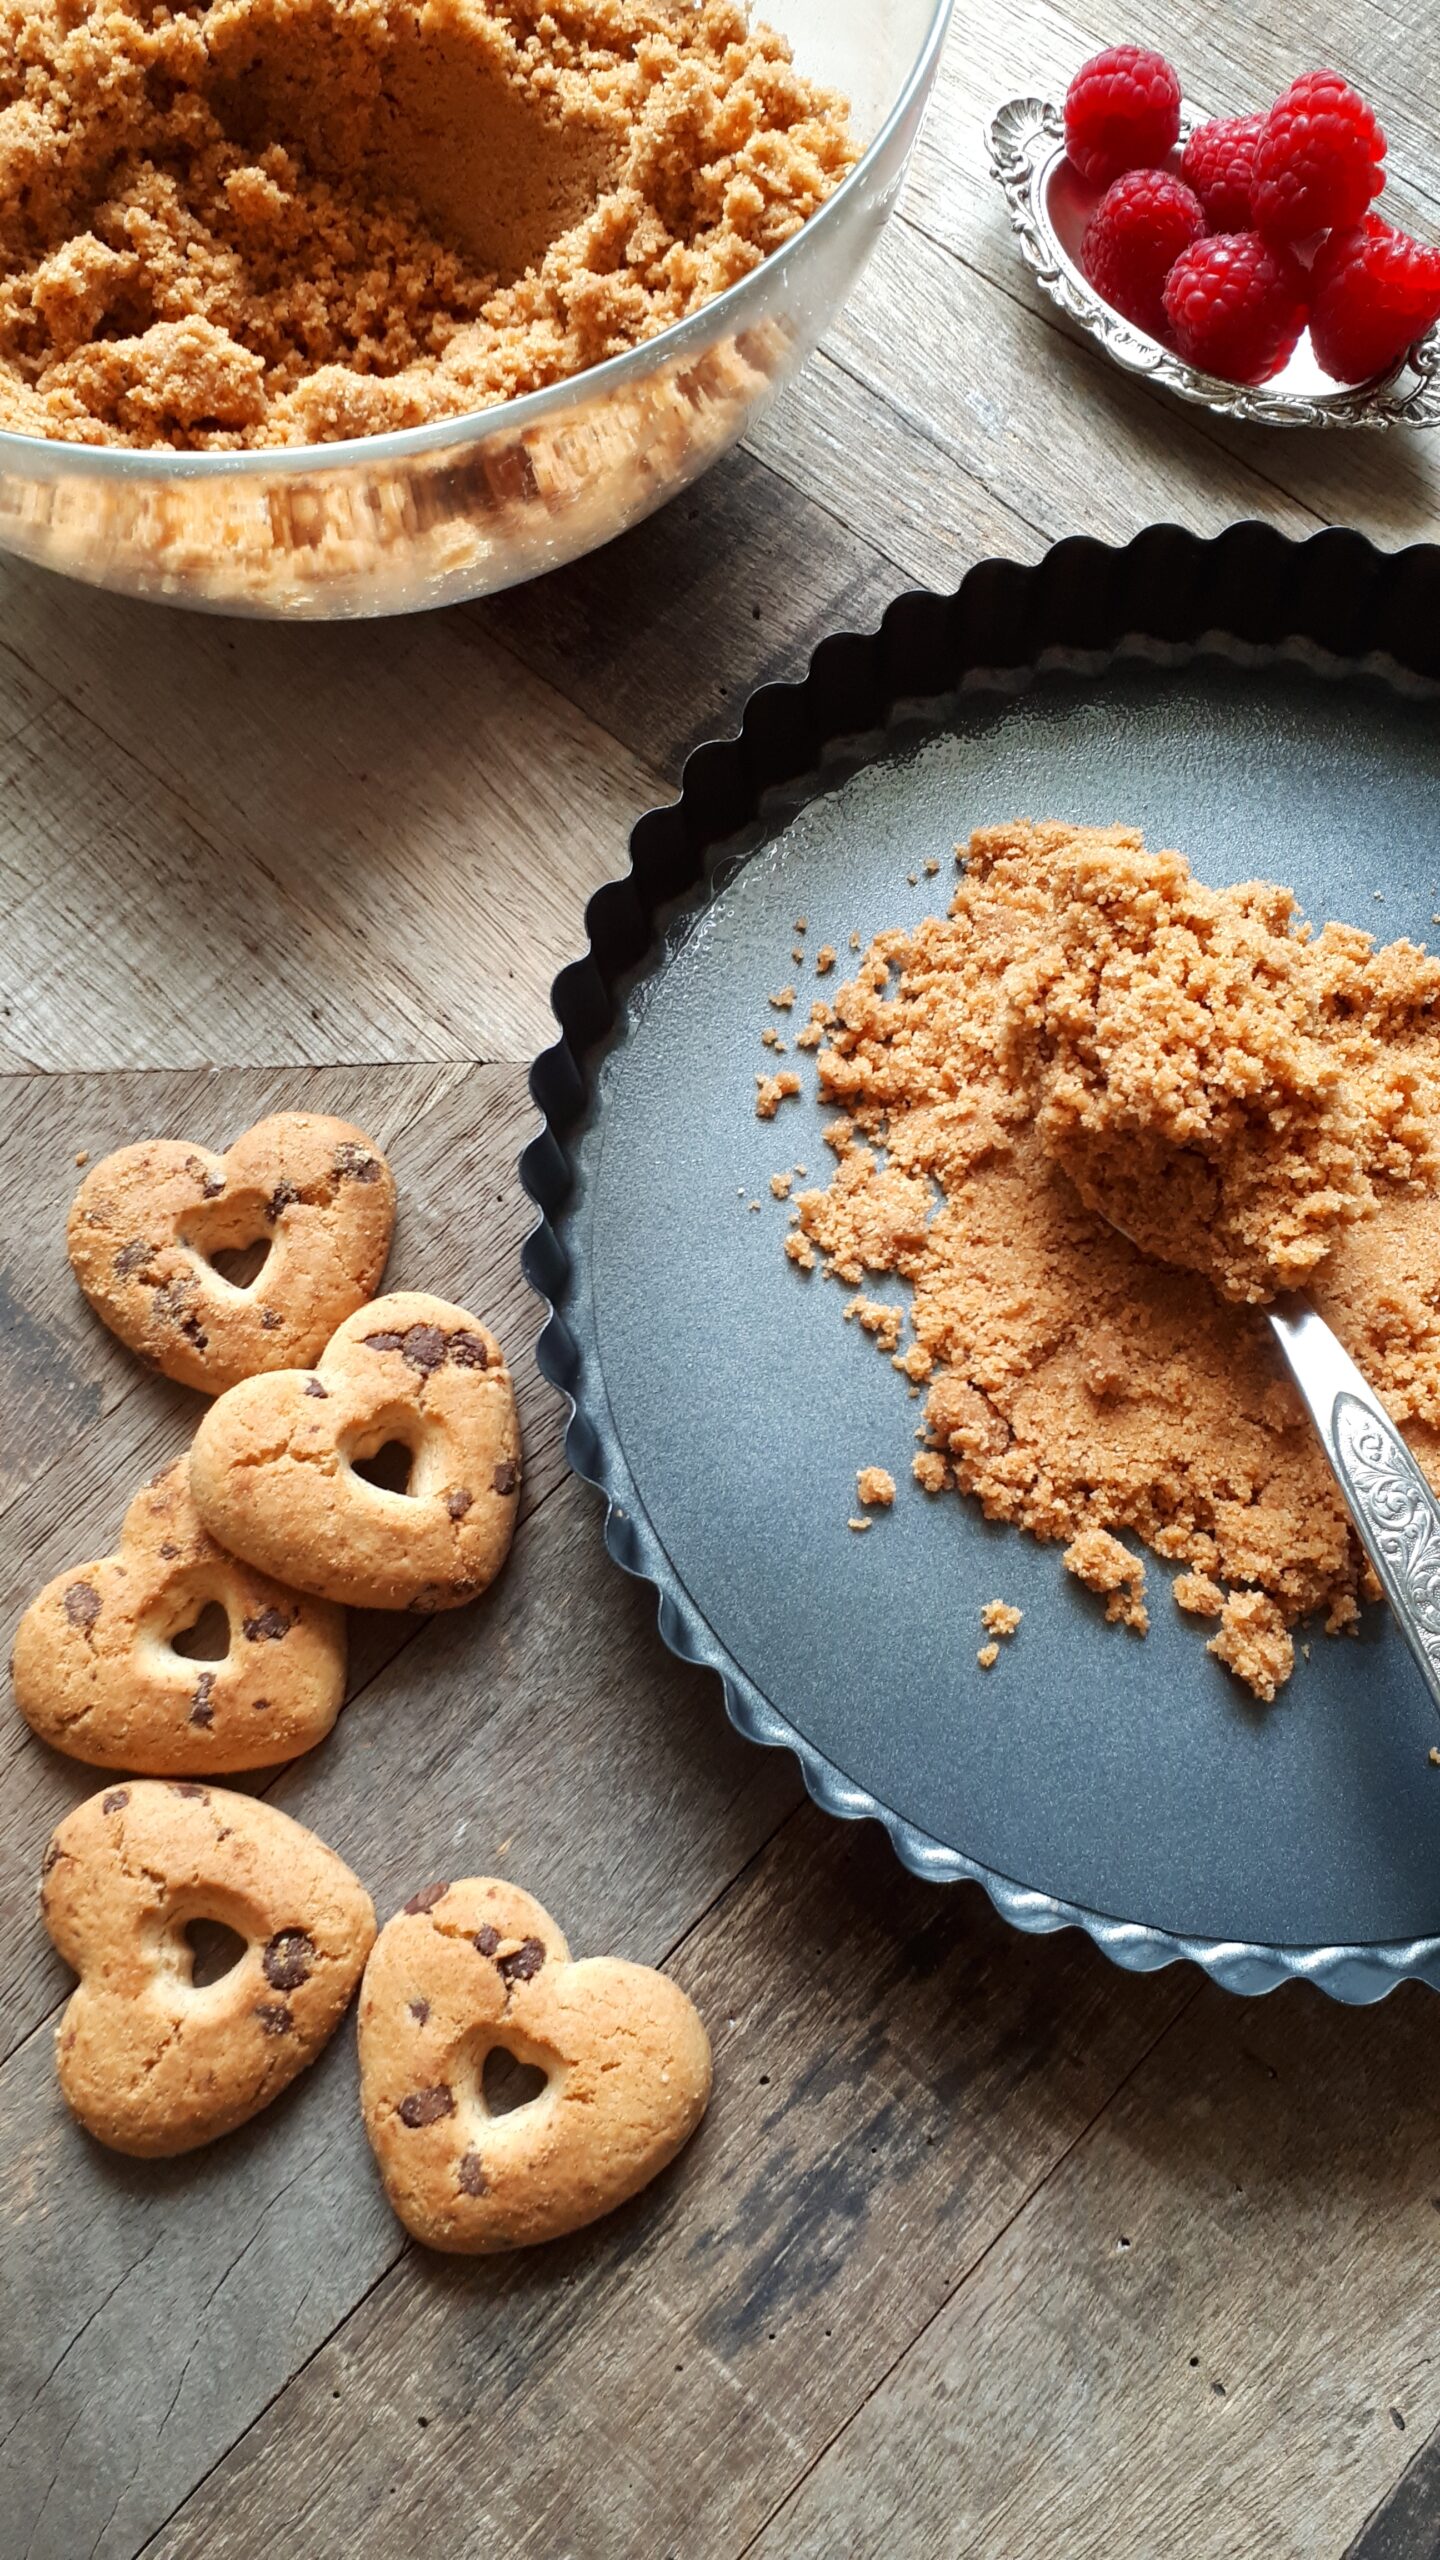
point(95, 1672)
point(149, 2061)
point(273, 1468)
point(466, 1970)
point(147, 1221)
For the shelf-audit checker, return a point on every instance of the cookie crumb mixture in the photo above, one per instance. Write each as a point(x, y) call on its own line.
point(1073, 1384)
point(1213, 1078)
point(281, 222)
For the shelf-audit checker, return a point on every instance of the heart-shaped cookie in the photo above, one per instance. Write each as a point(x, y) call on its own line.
point(471, 1969)
point(274, 1465)
point(315, 1196)
point(96, 1673)
point(150, 2061)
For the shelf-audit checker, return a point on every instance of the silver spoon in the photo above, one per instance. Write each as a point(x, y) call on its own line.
point(1396, 1515)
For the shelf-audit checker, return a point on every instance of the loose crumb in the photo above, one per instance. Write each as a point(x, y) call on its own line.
point(1103, 1565)
point(771, 1091)
point(755, 1208)
point(988, 1656)
point(84, 1156)
point(875, 1485)
point(931, 867)
point(859, 1526)
point(1197, 1593)
point(1000, 1617)
point(801, 1171)
point(801, 1251)
point(802, 923)
point(929, 1469)
point(770, 1037)
point(780, 1185)
point(1254, 1643)
point(784, 1000)
point(1434, 1754)
point(884, 1324)
point(812, 1037)
point(825, 959)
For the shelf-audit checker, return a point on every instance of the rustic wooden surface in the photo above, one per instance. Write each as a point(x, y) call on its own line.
point(985, 2248)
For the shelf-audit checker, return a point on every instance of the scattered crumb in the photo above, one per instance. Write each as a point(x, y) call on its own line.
point(797, 951)
point(802, 924)
point(84, 1156)
point(855, 938)
point(988, 1656)
point(784, 1000)
point(1103, 1565)
point(929, 1470)
point(875, 1485)
point(1000, 1617)
point(1197, 1593)
point(885, 1324)
point(931, 867)
point(771, 1091)
point(780, 1185)
point(801, 1171)
point(824, 959)
point(1305, 1649)
point(754, 1208)
point(1433, 1755)
point(1254, 1643)
point(859, 1526)
point(801, 1251)
point(770, 1037)
point(812, 1037)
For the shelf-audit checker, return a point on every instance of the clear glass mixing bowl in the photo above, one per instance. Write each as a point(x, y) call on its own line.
point(391, 523)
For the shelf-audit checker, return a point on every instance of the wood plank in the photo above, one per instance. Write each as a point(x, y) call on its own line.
point(664, 636)
point(156, 2307)
point(895, 2072)
point(1406, 2524)
point(99, 1424)
point(367, 841)
point(1194, 2339)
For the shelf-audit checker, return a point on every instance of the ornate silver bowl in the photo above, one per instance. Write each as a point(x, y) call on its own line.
point(1049, 205)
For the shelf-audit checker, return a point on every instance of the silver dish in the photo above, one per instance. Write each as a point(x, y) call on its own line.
point(435, 515)
point(1049, 205)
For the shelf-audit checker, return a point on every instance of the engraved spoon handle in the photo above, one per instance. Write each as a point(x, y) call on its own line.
point(1394, 1511)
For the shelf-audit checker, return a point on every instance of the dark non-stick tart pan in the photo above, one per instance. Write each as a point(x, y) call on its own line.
point(1271, 707)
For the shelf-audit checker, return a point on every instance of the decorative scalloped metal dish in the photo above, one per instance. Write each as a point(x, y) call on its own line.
point(1049, 205)
point(1271, 707)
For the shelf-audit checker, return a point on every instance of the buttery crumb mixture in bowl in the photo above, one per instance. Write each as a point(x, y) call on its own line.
point(338, 307)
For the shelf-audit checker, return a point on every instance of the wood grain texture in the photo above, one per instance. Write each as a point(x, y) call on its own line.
point(893, 2075)
point(985, 2247)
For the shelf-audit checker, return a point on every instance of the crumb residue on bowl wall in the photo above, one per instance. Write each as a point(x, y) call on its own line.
point(283, 222)
point(1075, 1387)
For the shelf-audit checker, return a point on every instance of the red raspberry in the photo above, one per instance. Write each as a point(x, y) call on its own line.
point(1373, 292)
point(1122, 111)
point(1218, 161)
point(1236, 305)
point(1133, 239)
point(1319, 160)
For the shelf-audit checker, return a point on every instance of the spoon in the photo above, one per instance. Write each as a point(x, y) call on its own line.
point(1396, 1515)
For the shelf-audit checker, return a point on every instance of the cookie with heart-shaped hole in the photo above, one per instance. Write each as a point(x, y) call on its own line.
point(387, 1476)
point(151, 2059)
point(173, 1658)
point(472, 1973)
point(213, 1267)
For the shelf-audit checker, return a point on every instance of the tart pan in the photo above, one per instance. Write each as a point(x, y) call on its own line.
point(1273, 708)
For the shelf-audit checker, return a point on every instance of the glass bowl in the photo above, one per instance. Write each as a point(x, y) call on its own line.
point(433, 515)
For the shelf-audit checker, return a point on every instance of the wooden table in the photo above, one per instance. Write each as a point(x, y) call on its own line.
point(986, 2248)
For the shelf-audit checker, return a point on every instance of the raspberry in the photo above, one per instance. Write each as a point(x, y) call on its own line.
point(1133, 239)
point(1319, 160)
point(1373, 292)
point(1218, 161)
point(1236, 304)
point(1122, 111)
